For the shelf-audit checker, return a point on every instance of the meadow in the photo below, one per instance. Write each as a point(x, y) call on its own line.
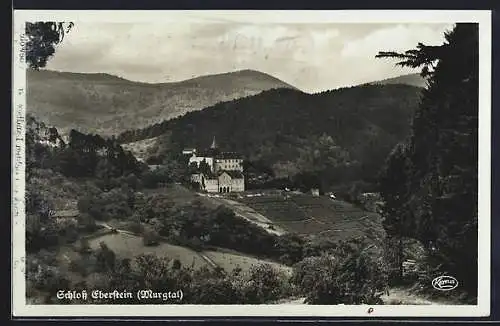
point(231, 260)
point(128, 246)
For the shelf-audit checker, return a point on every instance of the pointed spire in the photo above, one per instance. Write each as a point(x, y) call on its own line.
point(214, 144)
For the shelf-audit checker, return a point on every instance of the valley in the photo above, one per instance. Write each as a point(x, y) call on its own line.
point(239, 188)
point(136, 207)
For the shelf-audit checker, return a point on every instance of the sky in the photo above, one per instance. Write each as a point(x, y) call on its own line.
point(311, 57)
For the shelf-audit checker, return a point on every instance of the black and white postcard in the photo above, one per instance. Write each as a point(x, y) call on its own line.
point(247, 163)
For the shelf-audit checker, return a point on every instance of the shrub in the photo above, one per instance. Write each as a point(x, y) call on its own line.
point(150, 237)
point(351, 276)
point(265, 284)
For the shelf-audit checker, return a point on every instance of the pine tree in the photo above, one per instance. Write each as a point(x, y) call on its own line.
point(394, 182)
point(441, 198)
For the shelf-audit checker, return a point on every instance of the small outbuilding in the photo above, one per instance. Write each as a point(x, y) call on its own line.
point(315, 192)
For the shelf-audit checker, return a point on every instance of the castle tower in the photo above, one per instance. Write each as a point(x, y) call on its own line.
point(214, 144)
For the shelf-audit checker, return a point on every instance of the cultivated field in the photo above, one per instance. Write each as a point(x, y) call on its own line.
point(306, 214)
point(244, 211)
point(180, 195)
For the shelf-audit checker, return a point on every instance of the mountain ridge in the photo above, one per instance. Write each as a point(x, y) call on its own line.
point(408, 79)
point(107, 104)
point(113, 77)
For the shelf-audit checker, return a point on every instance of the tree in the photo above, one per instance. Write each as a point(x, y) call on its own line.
point(84, 246)
point(264, 285)
point(84, 204)
point(290, 248)
point(424, 56)
point(105, 258)
point(394, 184)
point(352, 274)
point(213, 289)
point(132, 181)
point(87, 222)
point(441, 198)
point(43, 37)
point(155, 272)
point(150, 237)
point(193, 168)
point(204, 167)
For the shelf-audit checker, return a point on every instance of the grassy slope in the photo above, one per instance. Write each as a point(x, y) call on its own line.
point(141, 148)
point(130, 246)
point(105, 104)
point(231, 260)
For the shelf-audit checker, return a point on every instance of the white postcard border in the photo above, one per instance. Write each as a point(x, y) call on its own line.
point(21, 309)
point(18, 167)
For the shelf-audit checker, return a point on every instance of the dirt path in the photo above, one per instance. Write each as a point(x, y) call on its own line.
point(292, 301)
point(248, 214)
point(208, 260)
point(399, 296)
point(402, 296)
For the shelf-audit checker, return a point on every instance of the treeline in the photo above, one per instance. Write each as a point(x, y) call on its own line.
point(343, 134)
point(350, 275)
point(429, 184)
point(84, 155)
point(196, 226)
point(84, 163)
point(325, 271)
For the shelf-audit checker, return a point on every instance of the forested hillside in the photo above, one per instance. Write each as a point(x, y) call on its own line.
point(343, 134)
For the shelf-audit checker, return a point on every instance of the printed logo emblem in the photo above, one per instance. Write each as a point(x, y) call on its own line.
point(444, 283)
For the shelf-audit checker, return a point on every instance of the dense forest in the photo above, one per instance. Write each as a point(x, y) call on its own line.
point(429, 184)
point(341, 135)
point(59, 171)
point(84, 155)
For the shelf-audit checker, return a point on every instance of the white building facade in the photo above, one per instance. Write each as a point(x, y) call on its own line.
point(199, 159)
point(226, 170)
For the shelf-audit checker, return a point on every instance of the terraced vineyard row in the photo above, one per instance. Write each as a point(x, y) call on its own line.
point(316, 215)
point(276, 208)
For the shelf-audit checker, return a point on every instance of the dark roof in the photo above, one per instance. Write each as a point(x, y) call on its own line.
point(208, 153)
point(208, 175)
point(233, 174)
point(228, 155)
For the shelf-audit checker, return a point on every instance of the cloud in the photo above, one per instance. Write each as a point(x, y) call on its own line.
point(313, 57)
point(393, 38)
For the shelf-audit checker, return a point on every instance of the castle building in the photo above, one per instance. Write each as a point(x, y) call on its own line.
point(189, 151)
point(225, 173)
